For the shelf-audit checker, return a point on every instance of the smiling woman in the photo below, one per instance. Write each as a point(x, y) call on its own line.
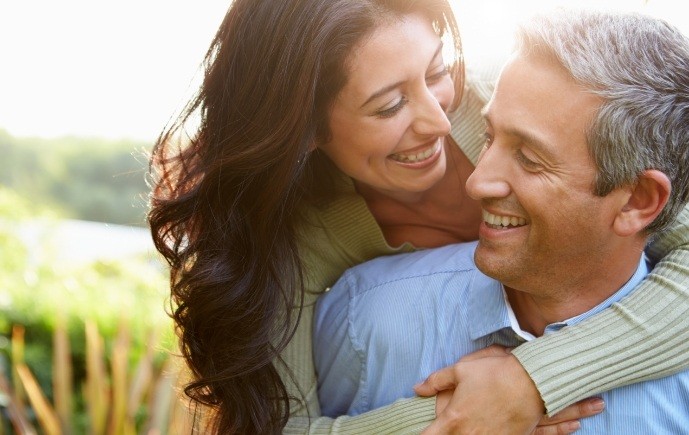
point(237, 210)
point(389, 132)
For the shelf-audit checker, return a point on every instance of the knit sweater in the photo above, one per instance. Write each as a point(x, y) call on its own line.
point(644, 336)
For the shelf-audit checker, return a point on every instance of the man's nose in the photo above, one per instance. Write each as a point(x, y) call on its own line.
point(490, 178)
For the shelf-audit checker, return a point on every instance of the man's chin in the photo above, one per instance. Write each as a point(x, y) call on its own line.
point(495, 264)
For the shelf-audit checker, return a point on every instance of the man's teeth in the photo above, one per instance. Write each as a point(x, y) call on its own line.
point(417, 157)
point(503, 221)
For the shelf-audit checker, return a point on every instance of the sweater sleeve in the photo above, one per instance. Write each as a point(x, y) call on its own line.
point(644, 336)
point(405, 416)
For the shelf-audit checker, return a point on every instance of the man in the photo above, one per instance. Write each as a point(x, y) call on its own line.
point(587, 141)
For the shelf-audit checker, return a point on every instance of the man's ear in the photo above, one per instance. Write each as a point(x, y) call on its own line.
point(647, 199)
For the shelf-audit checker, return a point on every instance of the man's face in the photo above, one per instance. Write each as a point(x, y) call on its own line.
point(543, 226)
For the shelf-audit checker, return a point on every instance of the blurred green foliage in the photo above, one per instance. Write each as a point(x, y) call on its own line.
point(81, 178)
point(38, 291)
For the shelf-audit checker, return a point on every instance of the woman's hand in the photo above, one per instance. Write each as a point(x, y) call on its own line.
point(495, 395)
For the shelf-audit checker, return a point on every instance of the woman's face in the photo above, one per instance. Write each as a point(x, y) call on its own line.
point(388, 123)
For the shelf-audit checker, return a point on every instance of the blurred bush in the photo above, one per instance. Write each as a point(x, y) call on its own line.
point(96, 332)
point(81, 178)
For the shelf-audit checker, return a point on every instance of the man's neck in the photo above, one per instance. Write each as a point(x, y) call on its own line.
point(536, 308)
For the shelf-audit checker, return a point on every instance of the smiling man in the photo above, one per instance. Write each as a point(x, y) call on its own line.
point(587, 140)
point(570, 248)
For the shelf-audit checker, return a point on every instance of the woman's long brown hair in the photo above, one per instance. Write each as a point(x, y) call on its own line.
point(226, 196)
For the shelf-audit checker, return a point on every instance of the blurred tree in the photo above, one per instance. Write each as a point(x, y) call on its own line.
point(81, 178)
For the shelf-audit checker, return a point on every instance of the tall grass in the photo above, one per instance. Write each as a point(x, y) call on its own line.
point(122, 399)
point(85, 347)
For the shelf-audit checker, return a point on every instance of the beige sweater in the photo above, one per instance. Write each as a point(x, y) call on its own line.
point(643, 337)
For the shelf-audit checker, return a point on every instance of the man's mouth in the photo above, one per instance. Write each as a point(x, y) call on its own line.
point(502, 222)
point(418, 155)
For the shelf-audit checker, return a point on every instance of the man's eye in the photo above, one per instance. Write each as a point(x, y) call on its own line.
point(392, 111)
point(527, 162)
point(487, 139)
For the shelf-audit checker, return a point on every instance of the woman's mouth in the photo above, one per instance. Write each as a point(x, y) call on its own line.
point(418, 156)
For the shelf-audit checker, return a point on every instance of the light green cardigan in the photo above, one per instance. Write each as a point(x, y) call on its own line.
point(645, 336)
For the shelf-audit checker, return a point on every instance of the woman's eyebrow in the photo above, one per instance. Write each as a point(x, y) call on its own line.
point(384, 90)
point(438, 51)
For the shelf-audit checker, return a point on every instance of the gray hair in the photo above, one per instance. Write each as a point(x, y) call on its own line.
point(640, 67)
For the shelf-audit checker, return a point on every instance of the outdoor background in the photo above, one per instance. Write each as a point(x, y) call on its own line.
point(85, 88)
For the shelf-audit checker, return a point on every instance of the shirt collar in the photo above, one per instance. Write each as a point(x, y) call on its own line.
point(486, 306)
point(489, 309)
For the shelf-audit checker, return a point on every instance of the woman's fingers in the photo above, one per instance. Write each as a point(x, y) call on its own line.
point(487, 352)
point(582, 409)
point(447, 378)
point(493, 395)
point(474, 397)
point(443, 379)
point(563, 428)
point(566, 421)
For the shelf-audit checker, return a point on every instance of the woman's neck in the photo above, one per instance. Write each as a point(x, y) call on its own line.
point(439, 216)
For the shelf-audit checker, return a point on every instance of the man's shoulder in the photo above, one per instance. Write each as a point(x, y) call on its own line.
point(420, 264)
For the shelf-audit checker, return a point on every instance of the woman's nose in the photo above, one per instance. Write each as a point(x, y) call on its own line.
point(430, 117)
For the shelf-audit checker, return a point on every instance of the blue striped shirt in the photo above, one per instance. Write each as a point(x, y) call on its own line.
point(388, 323)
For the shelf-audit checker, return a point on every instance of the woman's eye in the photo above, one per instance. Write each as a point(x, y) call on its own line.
point(392, 111)
point(437, 76)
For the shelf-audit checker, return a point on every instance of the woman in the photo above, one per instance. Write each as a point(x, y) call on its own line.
point(276, 193)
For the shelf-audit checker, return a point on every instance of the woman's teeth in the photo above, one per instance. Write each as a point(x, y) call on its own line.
point(502, 221)
point(416, 157)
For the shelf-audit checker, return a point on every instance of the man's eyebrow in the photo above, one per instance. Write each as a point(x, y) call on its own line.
point(389, 88)
point(526, 136)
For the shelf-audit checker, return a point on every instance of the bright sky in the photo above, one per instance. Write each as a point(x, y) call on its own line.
point(104, 68)
point(120, 69)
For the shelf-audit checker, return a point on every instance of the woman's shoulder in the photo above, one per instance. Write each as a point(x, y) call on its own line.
point(336, 234)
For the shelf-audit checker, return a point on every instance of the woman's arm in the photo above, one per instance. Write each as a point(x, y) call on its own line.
point(402, 417)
